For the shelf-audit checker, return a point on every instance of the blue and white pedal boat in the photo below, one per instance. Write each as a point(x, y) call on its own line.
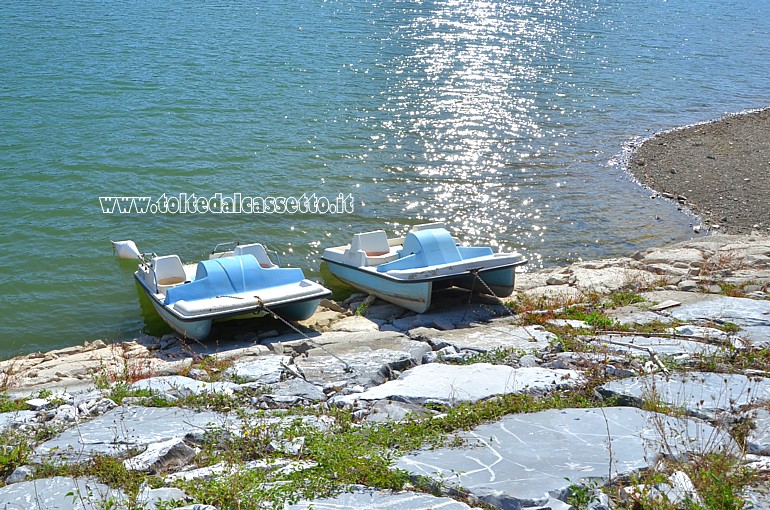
point(239, 283)
point(406, 270)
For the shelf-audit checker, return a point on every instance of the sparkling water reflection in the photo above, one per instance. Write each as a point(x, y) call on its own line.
point(506, 119)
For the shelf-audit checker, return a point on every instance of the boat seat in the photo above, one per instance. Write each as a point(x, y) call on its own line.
point(372, 243)
point(168, 272)
point(257, 250)
point(375, 246)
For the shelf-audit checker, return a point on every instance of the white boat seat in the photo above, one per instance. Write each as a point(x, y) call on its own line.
point(373, 247)
point(373, 243)
point(257, 250)
point(169, 272)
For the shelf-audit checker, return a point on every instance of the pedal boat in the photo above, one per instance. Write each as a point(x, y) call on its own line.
point(406, 270)
point(239, 283)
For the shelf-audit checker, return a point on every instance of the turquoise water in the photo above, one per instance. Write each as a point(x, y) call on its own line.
point(507, 119)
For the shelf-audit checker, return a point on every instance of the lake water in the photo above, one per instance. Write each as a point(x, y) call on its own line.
point(506, 119)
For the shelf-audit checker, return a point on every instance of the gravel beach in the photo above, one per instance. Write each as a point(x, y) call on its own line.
point(720, 170)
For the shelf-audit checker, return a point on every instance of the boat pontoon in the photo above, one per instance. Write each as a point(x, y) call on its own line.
point(242, 282)
point(406, 270)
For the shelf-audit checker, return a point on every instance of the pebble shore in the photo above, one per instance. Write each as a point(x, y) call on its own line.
point(720, 170)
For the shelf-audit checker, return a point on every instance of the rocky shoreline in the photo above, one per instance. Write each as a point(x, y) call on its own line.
point(604, 384)
point(720, 170)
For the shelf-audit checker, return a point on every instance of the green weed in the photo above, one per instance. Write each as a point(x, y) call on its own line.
point(618, 298)
point(8, 405)
point(15, 450)
point(499, 356)
point(582, 494)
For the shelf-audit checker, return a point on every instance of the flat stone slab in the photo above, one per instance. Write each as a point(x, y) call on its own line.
point(52, 493)
point(703, 394)
point(373, 499)
point(753, 316)
point(603, 280)
point(641, 346)
point(124, 428)
point(174, 453)
point(180, 386)
point(758, 498)
point(298, 388)
point(8, 420)
point(365, 358)
point(354, 324)
point(491, 336)
point(450, 318)
point(758, 438)
point(65, 493)
point(388, 411)
point(633, 315)
point(523, 460)
point(689, 256)
point(450, 384)
point(266, 369)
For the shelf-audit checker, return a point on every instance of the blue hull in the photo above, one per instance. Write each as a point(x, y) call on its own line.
point(298, 311)
point(196, 330)
point(200, 329)
point(416, 296)
point(499, 281)
point(413, 296)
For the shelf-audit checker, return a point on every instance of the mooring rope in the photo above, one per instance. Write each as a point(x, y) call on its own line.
point(348, 367)
point(475, 273)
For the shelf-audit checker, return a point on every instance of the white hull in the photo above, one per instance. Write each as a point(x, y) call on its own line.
point(403, 271)
point(190, 298)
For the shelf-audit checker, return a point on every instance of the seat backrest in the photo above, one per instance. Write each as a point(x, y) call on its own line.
point(372, 243)
point(257, 250)
point(232, 275)
point(435, 245)
point(424, 248)
point(168, 270)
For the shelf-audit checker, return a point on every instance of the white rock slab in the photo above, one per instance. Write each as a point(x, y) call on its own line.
point(298, 388)
point(669, 303)
point(373, 499)
point(758, 438)
point(209, 472)
point(65, 493)
point(53, 493)
point(354, 324)
point(171, 454)
point(127, 427)
point(689, 256)
point(180, 386)
point(703, 394)
point(641, 346)
point(453, 384)
point(7, 420)
point(753, 316)
point(758, 498)
point(262, 369)
point(523, 460)
point(366, 358)
point(713, 334)
point(491, 336)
